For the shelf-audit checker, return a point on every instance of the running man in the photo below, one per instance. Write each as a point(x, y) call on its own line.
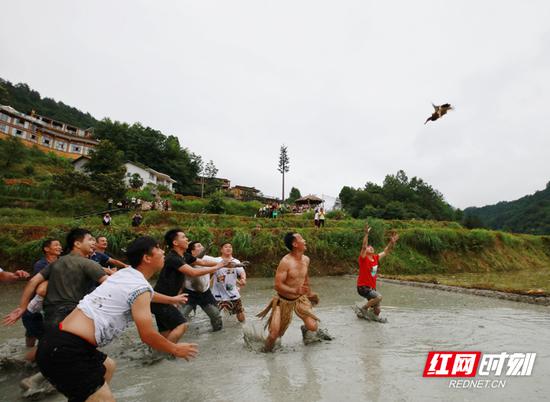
point(68, 277)
point(366, 281)
point(170, 321)
point(293, 296)
point(68, 357)
point(227, 281)
point(198, 290)
point(32, 318)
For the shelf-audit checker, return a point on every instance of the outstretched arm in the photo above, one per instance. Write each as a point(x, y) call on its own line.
point(393, 239)
point(28, 293)
point(141, 313)
point(13, 276)
point(164, 299)
point(365, 240)
point(193, 272)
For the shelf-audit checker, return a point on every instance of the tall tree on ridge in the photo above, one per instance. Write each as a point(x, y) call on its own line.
point(284, 166)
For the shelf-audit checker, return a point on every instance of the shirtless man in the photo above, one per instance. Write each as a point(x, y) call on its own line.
point(293, 295)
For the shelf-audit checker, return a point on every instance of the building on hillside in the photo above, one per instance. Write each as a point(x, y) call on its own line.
point(218, 182)
point(148, 175)
point(309, 201)
point(45, 133)
point(244, 193)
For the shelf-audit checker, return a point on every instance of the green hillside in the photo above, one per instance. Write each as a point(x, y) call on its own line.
point(529, 214)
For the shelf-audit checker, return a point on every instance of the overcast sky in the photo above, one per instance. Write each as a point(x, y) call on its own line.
point(346, 85)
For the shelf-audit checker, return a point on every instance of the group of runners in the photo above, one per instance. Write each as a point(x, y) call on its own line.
point(88, 298)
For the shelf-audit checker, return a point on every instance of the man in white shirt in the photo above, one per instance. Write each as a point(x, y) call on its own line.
point(68, 357)
point(226, 283)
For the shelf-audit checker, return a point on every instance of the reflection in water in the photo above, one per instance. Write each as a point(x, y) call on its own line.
point(365, 361)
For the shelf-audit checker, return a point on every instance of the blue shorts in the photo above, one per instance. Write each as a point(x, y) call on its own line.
point(34, 324)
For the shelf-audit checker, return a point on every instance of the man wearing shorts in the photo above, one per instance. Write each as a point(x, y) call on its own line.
point(32, 318)
point(170, 321)
point(226, 284)
point(67, 355)
point(368, 270)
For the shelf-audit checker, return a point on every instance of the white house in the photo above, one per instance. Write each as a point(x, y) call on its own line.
point(148, 175)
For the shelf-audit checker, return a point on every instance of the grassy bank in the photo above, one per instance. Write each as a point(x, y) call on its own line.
point(428, 250)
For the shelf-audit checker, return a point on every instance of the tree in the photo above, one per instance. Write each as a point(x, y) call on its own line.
point(72, 182)
point(294, 195)
point(209, 173)
point(4, 95)
point(106, 169)
point(136, 182)
point(216, 205)
point(283, 168)
point(11, 151)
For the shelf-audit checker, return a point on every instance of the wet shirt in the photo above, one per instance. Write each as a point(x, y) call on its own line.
point(171, 279)
point(368, 270)
point(69, 280)
point(110, 305)
point(201, 283)
point(225, 282)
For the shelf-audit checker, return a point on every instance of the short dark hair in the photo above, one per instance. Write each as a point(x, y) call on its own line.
point(224, 243)
point(138, 248)
point(191, 246)
point(170, 236)
point(47, 243)
point(289, 239)
point(100, 236)
point(75, 235)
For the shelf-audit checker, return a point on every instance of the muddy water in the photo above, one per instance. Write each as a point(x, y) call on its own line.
point(366, 361)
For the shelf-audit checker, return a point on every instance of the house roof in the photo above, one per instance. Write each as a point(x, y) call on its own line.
point(310, 198)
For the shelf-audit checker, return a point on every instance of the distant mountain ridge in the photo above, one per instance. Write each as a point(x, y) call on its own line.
point(529, 214)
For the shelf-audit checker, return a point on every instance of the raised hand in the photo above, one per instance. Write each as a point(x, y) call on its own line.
point(394, 237)
point(367, 228)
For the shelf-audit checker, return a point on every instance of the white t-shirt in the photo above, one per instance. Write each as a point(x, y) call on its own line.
point(225, 282)
point(110, 305)
point(201, 283)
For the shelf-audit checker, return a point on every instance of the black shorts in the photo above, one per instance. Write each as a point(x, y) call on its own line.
point(168, 317)
point(200, 299)
point(53, 316)
point(73, 366)
point(367, 292)
point(34, 324)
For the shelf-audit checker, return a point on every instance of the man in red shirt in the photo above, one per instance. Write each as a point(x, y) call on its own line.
point(368, 270)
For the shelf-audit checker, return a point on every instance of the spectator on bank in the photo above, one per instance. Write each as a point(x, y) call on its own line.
point(322, 218)
point(137, 219)
point(106, 219)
